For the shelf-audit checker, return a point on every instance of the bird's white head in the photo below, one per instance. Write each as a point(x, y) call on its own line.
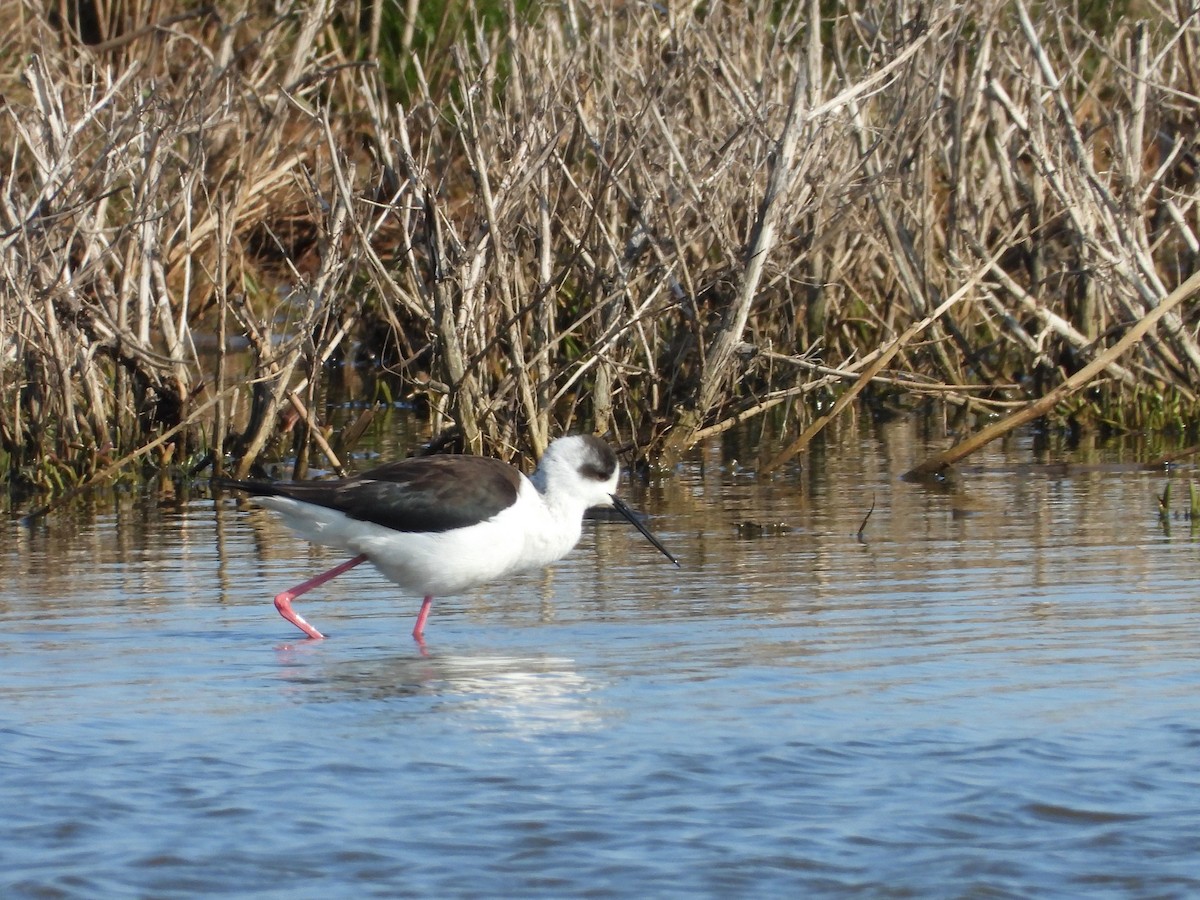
point(577, 470)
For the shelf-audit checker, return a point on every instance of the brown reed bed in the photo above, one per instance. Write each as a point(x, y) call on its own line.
point(654, 221)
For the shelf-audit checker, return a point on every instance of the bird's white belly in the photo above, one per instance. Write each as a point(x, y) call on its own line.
point(445, 562)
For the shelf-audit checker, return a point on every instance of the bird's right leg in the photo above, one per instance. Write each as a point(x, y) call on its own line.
point(419, 628)
point(283, 601)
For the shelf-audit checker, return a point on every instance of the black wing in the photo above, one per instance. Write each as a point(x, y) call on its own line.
point(428, 493)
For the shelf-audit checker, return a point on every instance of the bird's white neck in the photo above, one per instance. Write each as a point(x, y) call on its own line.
point(563, 524)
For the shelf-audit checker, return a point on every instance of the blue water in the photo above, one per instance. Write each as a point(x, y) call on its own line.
point(995, 693)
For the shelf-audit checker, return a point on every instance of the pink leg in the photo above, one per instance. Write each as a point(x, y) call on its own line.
point(419, 628)
point(283, 601)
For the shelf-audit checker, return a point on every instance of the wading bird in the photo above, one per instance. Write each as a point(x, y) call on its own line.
point(437, 525)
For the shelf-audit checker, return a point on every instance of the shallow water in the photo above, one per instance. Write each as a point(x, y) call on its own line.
point(994, 693)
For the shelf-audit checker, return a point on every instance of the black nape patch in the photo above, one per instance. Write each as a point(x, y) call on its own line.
point(602, 461)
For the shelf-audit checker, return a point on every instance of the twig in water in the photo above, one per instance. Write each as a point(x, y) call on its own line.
point(863, 526)
point(1164, 503)
point(352, 433)
point(1174, 456)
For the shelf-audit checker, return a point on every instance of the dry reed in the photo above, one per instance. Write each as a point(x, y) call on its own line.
point(655, 221)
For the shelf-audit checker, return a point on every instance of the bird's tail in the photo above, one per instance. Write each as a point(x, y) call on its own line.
point(254, 488)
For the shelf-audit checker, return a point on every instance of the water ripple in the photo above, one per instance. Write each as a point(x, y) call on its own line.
point(998, 704)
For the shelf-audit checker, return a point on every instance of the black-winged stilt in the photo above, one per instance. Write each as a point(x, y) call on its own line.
point(438, 525)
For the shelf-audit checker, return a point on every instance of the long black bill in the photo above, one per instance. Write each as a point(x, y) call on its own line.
point(619, 506)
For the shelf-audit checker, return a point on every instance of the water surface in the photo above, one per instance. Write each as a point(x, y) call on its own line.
point(994, 692)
